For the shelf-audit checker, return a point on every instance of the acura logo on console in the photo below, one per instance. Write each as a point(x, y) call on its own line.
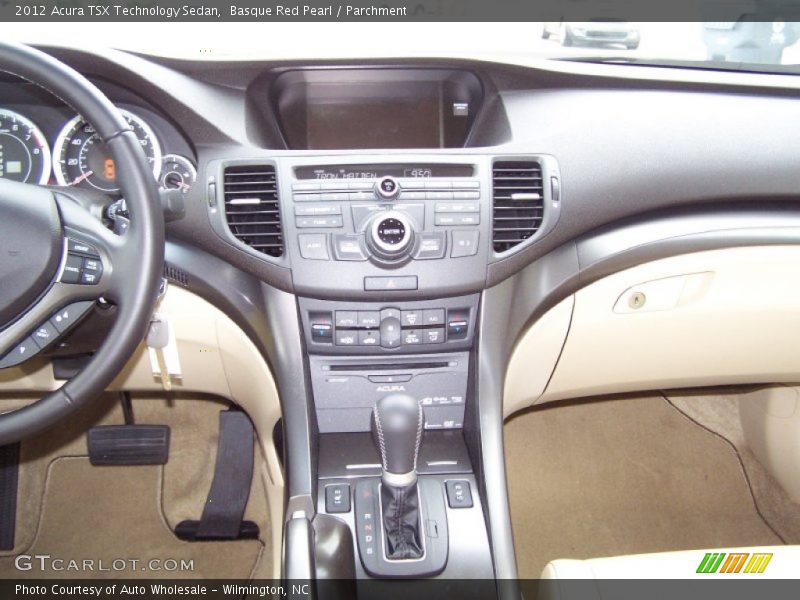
point(390, 388)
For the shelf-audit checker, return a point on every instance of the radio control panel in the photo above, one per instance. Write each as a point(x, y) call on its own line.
point(390, 220)
point(388, 230)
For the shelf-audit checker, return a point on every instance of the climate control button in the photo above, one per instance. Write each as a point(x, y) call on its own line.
point(391, 332)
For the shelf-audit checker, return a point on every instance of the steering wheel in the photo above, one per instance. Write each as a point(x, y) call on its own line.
point(45, 233)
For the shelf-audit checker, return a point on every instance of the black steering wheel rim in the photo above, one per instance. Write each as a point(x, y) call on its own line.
point(141, 247)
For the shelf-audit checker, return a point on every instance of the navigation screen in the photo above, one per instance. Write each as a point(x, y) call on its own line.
point(382, 170)
point(364, 109)
point(388, 122)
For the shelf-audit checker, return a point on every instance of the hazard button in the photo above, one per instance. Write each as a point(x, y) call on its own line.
point(388, 284)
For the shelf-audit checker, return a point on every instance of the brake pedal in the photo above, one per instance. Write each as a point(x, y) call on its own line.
point(125, 445)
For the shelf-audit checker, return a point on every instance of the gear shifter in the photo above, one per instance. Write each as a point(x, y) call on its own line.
point(399, 421)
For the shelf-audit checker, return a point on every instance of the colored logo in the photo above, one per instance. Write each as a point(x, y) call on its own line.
point(735, 562)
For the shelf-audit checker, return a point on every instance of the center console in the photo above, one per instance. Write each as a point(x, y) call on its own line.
point(388, 254)
point(387, 262)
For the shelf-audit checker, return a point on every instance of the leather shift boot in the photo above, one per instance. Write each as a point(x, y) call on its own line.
point(401, 523)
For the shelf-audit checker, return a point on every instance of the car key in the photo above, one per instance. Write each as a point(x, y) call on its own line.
point(157, 338)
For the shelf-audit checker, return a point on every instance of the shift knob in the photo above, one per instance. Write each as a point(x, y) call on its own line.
point(398, 425)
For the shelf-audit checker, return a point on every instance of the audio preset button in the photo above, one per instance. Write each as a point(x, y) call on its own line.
point(348, 247)
point(313, 246)
point(431, 246)
point(465, 243)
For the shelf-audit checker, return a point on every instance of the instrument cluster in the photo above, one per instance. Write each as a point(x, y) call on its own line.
point(77, 155)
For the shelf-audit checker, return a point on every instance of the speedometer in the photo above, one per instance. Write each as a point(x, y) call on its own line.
point(82, 158)
point(24, 153)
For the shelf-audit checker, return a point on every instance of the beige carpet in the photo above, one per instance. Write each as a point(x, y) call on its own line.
point(718, 411)
point(622, 476)
point(70, 509)
point(113, 515)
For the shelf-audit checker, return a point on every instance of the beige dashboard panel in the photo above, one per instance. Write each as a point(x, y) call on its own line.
point(535, 357)
point(709, 318)
point(770, 419)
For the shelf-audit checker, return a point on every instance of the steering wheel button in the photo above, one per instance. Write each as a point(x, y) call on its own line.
point(79, 247)
point(68, 316)
point(93, 265)
point(89, 278)
point(72, 269)
point(22, 352)
point(44, 335)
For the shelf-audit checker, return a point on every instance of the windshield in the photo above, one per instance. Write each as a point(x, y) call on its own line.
point(756, 46)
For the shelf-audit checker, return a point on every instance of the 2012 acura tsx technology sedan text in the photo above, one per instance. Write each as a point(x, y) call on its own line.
point(453, 316)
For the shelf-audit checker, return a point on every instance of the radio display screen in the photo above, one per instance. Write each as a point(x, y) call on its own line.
point(383, 170)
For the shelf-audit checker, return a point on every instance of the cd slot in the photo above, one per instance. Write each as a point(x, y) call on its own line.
point(389, 367)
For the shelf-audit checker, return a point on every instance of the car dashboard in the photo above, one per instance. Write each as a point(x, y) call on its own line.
point(404, 225)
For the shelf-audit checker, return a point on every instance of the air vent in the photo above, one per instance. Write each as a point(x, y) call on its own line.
point(251, 207)
point(176, 275)
point(518, 202)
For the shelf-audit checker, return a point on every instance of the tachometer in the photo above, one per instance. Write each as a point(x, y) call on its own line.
point(82, 158)
point(24, 153)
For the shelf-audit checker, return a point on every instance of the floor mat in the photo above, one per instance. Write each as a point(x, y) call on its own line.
point(186, 478)
point(718, 411)
point(622, 476)
point(113, 515)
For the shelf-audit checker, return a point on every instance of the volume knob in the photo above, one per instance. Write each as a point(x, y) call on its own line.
point(387, 188)
point(390, 235)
